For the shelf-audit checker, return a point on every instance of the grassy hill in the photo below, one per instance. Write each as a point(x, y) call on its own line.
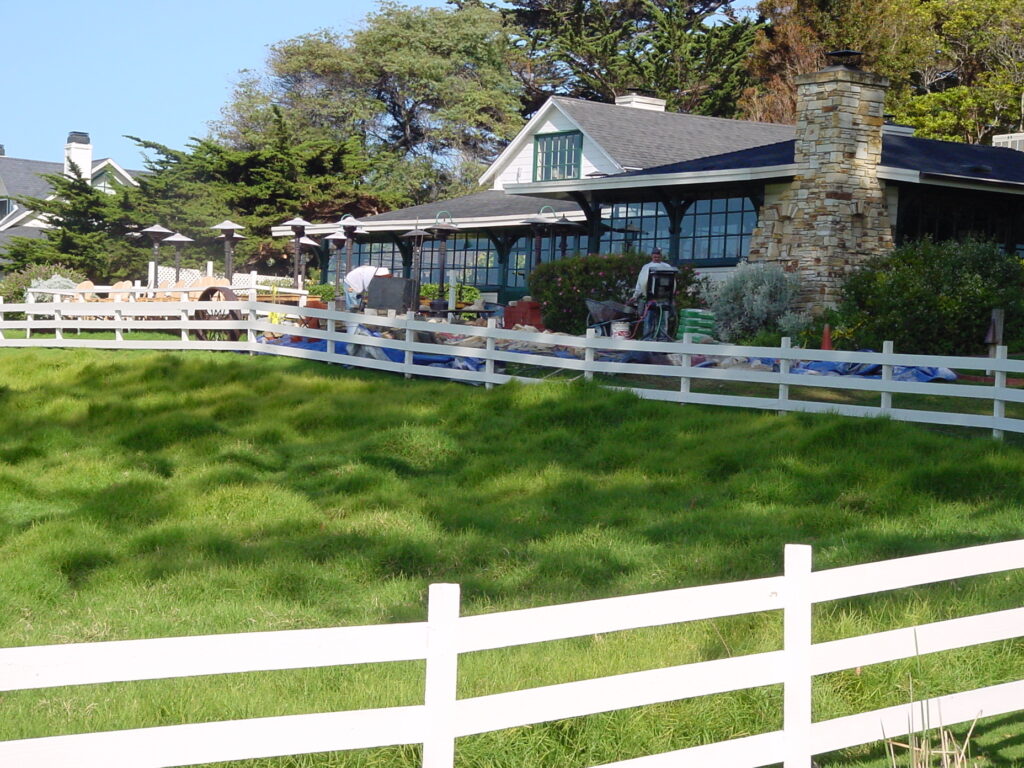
point(147, 494)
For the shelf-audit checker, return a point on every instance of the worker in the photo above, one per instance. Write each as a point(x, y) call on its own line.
point(656, 264)
point(358, 280)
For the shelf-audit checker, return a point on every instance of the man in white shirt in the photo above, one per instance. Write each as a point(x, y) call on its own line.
point(656, 264)
point(358, 280)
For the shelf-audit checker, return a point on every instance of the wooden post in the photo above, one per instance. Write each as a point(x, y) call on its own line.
point(58, 317)
point(684, 380)
point(588, 354)
point(441, 676)
point(30, 298)
point(332, 326)
point(492, 325)
point(410, 337)
point(886, 404)
point(999, 384)
point(784, 365)
point(797, 684)
point(184, 330)
point(118, 329)
point(2, 318)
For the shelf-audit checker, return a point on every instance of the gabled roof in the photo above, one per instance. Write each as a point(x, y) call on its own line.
point(21, 178)
point(641, 138)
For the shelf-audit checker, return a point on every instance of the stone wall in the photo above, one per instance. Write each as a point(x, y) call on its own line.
point(833, 215)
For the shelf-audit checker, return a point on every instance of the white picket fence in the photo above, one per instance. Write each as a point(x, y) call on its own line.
point(339, 328)
point(443, 718)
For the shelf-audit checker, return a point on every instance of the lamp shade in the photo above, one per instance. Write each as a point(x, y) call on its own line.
point(227, 225)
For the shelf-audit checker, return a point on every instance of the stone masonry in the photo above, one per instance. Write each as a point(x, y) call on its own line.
point(833, 215)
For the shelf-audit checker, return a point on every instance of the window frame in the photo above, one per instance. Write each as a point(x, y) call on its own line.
point(578, 150)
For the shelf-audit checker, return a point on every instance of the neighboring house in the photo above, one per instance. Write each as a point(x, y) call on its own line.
point(817, 198)
point(23, 178)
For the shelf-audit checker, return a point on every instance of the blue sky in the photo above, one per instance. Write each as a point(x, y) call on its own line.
point(150, 68)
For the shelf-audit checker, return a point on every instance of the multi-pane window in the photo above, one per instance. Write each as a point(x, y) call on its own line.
point(557, 156)
point(634, 227)
point(717, 230)
point(6, 206)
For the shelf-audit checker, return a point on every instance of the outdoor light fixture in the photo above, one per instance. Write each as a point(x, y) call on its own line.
point(416, 236)
point(351, 226)
point(337, 239)
point(537, 224)
point(298, 226)
point(441, 229)
point(229, 231)
point(564, 226)
point(157, 235)
point(178, 240)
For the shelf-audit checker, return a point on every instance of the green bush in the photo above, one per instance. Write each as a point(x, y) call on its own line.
point(934, 298)
point(562, 287)
point(324, 292)
point(466, 293)
point(15, 284)
point(754, 298)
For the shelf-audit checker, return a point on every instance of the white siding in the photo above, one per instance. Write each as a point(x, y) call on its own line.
point(519, 168)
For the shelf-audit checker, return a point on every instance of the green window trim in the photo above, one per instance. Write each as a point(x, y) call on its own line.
point(557, 156)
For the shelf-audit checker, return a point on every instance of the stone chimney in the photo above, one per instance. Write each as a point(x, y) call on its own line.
point(78, 150)
point(639, 101)
point(833, 215)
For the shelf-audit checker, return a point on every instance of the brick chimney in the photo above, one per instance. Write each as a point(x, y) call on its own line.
point(78, 150)
point(833, 215)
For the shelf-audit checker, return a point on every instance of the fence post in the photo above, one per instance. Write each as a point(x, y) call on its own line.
point(797, 683)
point(999, 383)
point(118, 330)
point(2, 318)
point(588, 354)
point(887, 349)
point(784, 366)
point(30, 298)
point(684, 380)
point(184, 319)
point(441, 676)
point(209, 269)
point(410, 337)
point(332, 327)
point(58, 317)
point(492, 324)
point(251, 330)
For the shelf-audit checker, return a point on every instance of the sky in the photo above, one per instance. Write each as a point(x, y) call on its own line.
point(154, 69)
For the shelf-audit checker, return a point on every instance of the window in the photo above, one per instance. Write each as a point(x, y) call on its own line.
point(6, 206)
point(717, 231)
point(557, 156)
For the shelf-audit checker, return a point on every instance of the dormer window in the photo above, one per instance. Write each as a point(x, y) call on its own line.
point(557, 155)
point(6, 206)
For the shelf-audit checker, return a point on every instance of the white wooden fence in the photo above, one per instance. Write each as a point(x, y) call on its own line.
point(340, 328)
point(443, 718)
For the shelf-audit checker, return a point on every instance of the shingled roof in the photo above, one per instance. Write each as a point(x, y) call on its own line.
point(929, 157)
point(21, 178)
point(642, 138)
point(482, 204)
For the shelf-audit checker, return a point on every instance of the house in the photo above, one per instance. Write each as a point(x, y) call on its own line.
point(23, 178)
point(818, 198)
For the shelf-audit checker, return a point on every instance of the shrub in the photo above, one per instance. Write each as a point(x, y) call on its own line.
point(934, 298)
point(562, 287)
point(466, 293)
point(752, 299)
point(322, 291)
point(15, 284)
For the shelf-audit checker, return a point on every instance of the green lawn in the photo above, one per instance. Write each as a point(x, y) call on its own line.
point(145, 494)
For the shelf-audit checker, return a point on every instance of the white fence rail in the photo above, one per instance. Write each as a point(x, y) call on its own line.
point(445, 635)
point(497, 347)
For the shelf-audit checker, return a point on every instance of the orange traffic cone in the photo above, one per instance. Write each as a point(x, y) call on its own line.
point(826, 337)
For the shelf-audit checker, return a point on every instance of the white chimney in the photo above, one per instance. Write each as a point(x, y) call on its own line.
point(78, 150)
point(636, 101)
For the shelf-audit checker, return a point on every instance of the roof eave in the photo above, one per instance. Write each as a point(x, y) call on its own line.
point(634, 181)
